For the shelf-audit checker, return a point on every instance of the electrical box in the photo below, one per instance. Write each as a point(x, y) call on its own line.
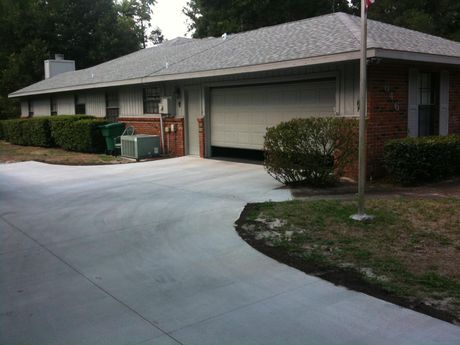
point(167, 106)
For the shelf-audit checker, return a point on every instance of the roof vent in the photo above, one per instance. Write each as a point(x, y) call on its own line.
point(58, 56)
point(224, 36)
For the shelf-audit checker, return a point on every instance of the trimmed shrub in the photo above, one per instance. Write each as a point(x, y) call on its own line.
point(12, 130)
point(71, 132)
point(36, 132)
point(60, 126)
point(82, 135)
point(312, 151)
point(412, 161)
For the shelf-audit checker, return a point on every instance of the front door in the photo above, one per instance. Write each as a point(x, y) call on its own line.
point(193, 112)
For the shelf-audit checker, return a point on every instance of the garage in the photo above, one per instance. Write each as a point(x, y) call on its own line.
point(240, 115)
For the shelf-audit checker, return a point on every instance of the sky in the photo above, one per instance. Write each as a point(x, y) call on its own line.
point(168, 16)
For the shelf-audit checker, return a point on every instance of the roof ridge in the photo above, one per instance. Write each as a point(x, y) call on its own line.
point(275, 25)
point(191, 56)
point(354, 28)
point(415, 31)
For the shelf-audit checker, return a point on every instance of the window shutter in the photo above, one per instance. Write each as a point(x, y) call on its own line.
point(444, 103)
point(412, 106)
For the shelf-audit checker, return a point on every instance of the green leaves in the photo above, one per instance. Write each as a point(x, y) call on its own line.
point(213, 18)
point(416, 160)
point(77, 133)
point(87, 31)
point(311, 151)
point(71, 132)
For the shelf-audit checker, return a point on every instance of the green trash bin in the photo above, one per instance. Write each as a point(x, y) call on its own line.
point(110, 132)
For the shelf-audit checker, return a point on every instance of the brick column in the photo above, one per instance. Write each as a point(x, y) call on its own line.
point(201, 136)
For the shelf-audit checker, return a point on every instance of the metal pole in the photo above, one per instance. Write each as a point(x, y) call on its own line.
point(361, 215)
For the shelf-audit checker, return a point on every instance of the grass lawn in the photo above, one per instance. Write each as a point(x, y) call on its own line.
point(410, 253)
point(14, 153)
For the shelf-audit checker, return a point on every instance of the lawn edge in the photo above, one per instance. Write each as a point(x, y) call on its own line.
point(344, 277)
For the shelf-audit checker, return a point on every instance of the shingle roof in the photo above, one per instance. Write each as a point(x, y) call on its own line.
point(314, 37)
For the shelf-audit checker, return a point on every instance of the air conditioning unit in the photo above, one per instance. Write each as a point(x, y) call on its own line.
point(140, 146)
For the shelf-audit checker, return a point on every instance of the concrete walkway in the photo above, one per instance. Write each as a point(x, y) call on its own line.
point(146, 254)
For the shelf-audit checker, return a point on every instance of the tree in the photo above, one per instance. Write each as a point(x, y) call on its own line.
point(87, 31)
point(140, 11)
point(215, 17)
point(440, 18)
point(156, 36)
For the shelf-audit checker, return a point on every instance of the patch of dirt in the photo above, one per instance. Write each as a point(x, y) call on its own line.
point(10, 153)
point(345, 275)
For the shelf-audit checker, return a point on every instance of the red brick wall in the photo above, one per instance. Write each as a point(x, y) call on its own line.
point(202, 136)
point(384, 121)
point(387, 100)
point(173, 140)
point(351, 169)
point(454, 102)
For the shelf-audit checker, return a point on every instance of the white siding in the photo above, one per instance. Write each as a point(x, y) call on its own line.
point(65, 104)
point(349, 90)
point(24, 108)
point(131, 97)
point(95, 103)
point(130, 100)
point(444, 104)
point(412, 112)
point(42, 106)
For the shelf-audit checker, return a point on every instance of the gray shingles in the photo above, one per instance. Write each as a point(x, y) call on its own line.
point(319, 36)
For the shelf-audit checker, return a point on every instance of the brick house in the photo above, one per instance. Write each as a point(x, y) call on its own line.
point(218, 95)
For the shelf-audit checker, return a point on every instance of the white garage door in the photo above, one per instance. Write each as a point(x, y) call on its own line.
point(241, 115)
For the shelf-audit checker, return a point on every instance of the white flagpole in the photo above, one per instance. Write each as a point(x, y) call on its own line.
point(361, 215)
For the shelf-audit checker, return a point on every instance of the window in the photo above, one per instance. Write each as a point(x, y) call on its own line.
point(30, 105)
point(111, 106)
point(428, 109)
point(80, 105)
point(53, 106)
point(427, 94)
point(151, 100)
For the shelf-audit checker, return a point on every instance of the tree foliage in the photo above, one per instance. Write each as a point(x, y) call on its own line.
point(87, 31)
point(440, 17)
point(140, 12)
point(215, 17)
point(156, 36)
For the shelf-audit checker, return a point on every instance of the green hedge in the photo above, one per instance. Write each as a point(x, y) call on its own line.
point(15, 132)
point(36, 132)
point(417, 160)
point(311, 151)
point(81, 135)
point(71, 132)
point(61, 125)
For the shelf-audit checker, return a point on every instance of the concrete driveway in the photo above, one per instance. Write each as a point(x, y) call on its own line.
point(146, 254)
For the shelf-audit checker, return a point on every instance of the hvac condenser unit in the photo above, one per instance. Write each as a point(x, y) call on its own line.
point(140, 146)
